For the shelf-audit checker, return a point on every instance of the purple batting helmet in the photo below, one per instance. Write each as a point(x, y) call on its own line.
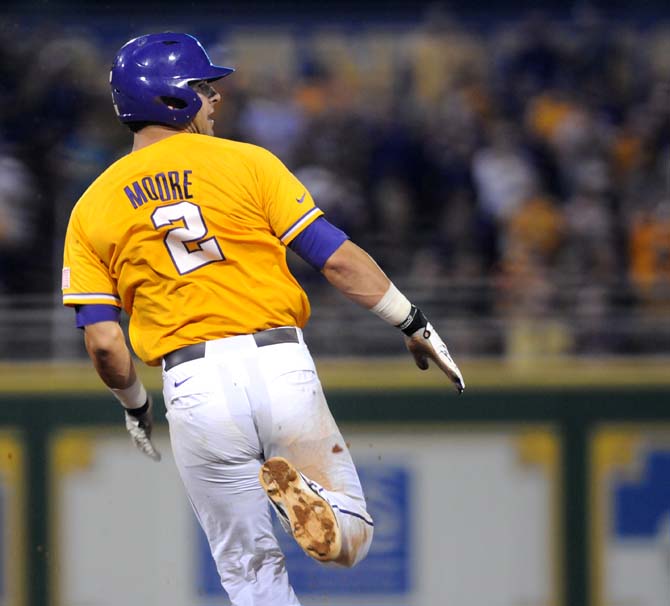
point(150, 78)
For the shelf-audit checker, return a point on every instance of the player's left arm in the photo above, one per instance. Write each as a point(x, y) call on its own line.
point(299, 224)
point(356, 275)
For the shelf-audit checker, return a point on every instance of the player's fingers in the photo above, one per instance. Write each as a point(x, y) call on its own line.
point(440, 355)
point(452, 371)
point(151, 452)
point(141, 438)
point(433, 348)
point(147, 448)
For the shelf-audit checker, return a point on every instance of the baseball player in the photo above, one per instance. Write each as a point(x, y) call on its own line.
point(188, 235)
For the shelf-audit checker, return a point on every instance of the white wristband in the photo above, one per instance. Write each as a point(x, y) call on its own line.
point(134, 396)
point(393, 307)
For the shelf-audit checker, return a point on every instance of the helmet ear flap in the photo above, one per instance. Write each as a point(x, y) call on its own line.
point(173, 102)
point(179, 103)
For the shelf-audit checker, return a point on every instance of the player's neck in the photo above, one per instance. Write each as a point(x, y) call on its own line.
point(152, 134)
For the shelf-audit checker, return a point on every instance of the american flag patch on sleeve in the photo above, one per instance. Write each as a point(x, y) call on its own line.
point(65, 280)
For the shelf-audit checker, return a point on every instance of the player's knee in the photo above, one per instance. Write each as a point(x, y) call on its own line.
point(348, 560)
point(357, 549)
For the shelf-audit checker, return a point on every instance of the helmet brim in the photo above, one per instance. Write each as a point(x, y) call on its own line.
point(216, 72)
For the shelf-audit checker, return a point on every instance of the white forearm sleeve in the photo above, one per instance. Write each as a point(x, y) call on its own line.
point(133, 396)
point(393, 307)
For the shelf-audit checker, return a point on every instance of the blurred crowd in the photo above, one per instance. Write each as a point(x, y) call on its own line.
point(529, 155)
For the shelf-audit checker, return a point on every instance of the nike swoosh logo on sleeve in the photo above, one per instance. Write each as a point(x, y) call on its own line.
point(301, 199)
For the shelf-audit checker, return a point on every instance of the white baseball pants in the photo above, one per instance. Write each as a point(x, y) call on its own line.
point(229, 411)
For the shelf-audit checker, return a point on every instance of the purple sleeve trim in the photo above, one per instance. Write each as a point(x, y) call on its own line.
point(318, 241)
point(93, 313)
point(296, 224)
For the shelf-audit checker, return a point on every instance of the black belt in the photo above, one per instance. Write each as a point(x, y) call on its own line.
point(272, 336)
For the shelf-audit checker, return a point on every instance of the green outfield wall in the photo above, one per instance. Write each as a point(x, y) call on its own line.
point(576, 414)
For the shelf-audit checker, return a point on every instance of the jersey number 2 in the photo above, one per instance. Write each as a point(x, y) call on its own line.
point(187, 245)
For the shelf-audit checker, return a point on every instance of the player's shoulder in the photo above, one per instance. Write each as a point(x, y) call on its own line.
point(252, 159)
point(100, 185)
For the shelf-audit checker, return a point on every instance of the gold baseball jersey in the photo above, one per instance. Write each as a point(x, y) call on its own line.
point(188, 235)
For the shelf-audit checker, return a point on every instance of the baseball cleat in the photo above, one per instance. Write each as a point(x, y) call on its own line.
point(312, 519)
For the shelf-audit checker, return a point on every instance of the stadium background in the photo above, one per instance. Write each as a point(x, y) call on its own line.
point(508, 164)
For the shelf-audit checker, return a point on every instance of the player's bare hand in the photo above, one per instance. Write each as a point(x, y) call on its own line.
point(425, 344)
point(139, 425)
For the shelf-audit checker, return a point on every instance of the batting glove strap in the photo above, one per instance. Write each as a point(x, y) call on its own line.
point(416, 320)
point(138, 412)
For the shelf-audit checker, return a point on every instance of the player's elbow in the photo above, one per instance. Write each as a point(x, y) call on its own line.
point(341, 260)
point(343, 265)
point(103, 339)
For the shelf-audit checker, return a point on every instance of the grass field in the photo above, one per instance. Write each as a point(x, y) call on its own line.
point(383, 373)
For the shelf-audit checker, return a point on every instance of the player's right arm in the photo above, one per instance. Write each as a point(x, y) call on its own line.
point(89, 288)
point(356, 275)
point(106, 346)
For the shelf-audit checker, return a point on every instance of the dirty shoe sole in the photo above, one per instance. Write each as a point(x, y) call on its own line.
point(312, 519)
